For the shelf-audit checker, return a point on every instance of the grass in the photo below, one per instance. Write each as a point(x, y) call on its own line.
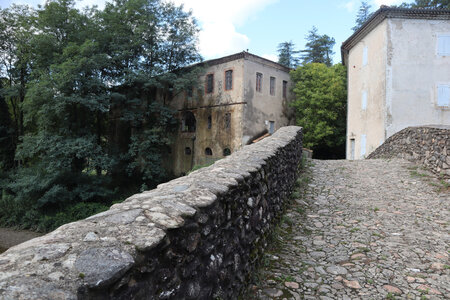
point(355, 229)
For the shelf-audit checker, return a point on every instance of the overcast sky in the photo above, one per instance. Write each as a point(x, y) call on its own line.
point(260, 25)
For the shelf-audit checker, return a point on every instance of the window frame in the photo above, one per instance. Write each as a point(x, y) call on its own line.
point(209, 75)
point(259, 81)
point(446, 36)
point(226, 80)
point(446, 103)
point(285, 83)
point(272, 86)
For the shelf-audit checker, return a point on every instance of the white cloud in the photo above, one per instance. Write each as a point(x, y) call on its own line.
point(272, 57)
point(350, 5)
point(219, 20)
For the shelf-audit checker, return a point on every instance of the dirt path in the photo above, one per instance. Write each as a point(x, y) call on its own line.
point(373, 229)
point(10, 237)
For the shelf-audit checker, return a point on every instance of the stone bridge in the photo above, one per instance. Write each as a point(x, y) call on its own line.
point(371, 229)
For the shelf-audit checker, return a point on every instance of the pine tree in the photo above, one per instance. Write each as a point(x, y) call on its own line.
point(319, 48)
point(287, 54)
point(363, 15)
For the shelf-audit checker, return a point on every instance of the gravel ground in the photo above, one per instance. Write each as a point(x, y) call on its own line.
point(372, 229)
point(10, 237)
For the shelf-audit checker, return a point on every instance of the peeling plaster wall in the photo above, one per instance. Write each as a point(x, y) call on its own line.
point(372, 79)
point(216, 105)
point(196, 237)
point(416, 71)
point(262, 107)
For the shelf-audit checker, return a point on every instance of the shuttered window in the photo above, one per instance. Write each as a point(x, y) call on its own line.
point(443, 45)
point(363, 145)
point(443, 95)
point(365, 53)
point(364, 100)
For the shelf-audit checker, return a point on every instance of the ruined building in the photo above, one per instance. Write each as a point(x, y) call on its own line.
point(239, 98)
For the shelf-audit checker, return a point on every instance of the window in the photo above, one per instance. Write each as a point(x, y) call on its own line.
point(284, 89)
point(187, 151)
point(364, 100)
point(227, 120)
point(188, 123)
point(226, 151)
point(271, 127)
point(365, 53)
point(363, 145)
point(228, 80)
point(209, 122)
point(189, 92)
point(272, 86)
point(443, 47)
point(209, 83)
point(208, 151)
point(443, 95)
point(258, 82)
point(352, 149)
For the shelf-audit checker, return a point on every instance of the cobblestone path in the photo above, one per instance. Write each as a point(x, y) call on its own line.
point(373, 229)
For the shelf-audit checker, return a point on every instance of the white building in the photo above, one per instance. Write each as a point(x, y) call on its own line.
point(398, 66)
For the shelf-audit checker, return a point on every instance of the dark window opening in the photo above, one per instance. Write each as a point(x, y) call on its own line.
point(208, 151)
point(229, 80)
point(272, 86)
point(187, 151)
point(284, 89)
point(190, 92)
point(209, 83)
point(258, 82)
point(227, 120)
point(209, 122)
point(188, 123)
point(226, 151)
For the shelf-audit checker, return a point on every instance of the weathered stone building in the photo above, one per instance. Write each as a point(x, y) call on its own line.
point(239, 98)
point(398, 75)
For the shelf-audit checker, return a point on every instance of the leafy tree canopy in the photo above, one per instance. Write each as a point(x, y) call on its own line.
point(320, 104)
point(319, 48)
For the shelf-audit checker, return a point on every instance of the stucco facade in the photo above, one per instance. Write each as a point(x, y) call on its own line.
point(229, 115)
point(395, 70)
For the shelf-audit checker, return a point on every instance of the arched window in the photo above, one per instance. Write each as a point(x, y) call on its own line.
point(188, 123)
point(226, 151)
point(208, 151)
point(209, 122)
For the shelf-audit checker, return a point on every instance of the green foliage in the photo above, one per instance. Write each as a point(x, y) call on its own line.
point(287, 54)
point(363, 15)
point(320, 104)
point(319, 48)
point(84, 103)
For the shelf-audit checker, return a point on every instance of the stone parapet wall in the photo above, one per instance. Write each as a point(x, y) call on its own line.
point(428, 145)
point(195, 237)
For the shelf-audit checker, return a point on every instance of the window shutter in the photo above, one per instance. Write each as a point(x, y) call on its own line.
point(444, 45)
point(365, 53)
point(363, 145)
point(443, 98)
point(364, 100)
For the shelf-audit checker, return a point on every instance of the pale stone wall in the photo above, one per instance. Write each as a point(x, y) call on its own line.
point(369, 78)
point(415, 70)
point(196, 237)
point(261, 107)
point(429, 146)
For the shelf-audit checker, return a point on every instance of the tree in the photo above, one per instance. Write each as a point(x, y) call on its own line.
point(320, 107)
point(319, 48)
point(287, 54)
point(435, 4)
point(87, 100)
point(363, 15)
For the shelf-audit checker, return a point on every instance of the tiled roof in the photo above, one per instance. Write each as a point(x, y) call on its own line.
point(388, 12)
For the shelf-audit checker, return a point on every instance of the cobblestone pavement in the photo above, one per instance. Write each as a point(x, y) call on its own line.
point(373, 229)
